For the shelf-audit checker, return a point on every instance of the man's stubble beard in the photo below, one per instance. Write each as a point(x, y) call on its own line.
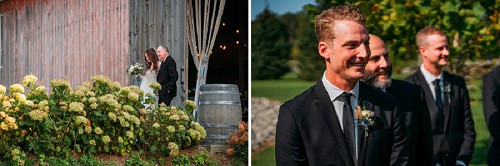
point(372, 79)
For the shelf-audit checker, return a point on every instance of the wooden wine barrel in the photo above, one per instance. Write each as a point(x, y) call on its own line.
point(219, 111)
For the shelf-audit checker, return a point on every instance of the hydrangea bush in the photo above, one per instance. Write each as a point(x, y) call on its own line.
point(99, 116)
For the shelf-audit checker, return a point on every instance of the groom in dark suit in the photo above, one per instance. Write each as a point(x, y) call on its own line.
point(167, 76)
point(320, 126)
point(412, 102)
point(447, 99)
point(491, 104)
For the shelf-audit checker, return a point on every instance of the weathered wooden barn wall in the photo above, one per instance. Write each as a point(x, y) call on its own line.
point(76, 39)
point(70, 39)
point(160, 22)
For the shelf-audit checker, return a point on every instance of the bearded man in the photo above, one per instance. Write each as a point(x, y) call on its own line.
point(411, 98)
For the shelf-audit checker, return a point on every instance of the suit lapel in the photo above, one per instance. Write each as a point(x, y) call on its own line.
point(447, 104)
point(325, 106)
point(433, 108)
point(362, 138)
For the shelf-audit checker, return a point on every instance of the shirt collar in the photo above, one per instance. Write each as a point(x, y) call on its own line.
point(334, 92)
point(428, 76)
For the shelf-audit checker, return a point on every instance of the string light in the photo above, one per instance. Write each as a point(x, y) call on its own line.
point(237, 31)
point(237, 42)
point(223, 24)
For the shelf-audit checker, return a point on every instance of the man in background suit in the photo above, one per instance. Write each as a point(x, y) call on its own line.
point(491, 104)
point(411, 98)
point(167, 76)
point(447, 99)
point(318, 127)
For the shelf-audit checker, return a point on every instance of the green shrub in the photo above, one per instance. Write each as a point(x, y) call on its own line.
point(98, 117)
point(135, 160)
point(89, 160)
point(199, 159)
point(238, 143)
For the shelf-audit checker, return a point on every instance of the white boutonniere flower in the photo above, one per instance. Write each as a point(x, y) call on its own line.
point(447, 89)
point(365, 118)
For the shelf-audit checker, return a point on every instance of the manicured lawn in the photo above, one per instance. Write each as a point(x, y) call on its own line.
point(482, 134)
point(265, 157)
point(281, 90)
point(286, 89)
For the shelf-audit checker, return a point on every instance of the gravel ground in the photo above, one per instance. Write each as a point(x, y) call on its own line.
point(264, 119)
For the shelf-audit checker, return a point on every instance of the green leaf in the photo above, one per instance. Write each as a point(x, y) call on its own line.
point(153, 149)
point(80, 130)
point(48, 124)
point(450, 7)
point(28, 122)
point(77, 146)
point(478, 9)
point(106, 148)
point(97, 113)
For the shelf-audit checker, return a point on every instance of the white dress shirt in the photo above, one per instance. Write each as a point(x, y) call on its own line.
point(334, 93)
point(161, 61)
point(429, 78)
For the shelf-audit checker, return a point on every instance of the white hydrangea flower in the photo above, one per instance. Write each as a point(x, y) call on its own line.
point(16, 88)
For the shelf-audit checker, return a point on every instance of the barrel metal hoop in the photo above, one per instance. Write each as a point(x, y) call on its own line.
point(219, 103)
point(220, 92)
point(220, 126)
point(217, 137)
point(220, 85)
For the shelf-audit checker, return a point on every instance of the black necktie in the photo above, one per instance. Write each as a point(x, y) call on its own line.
point(439, 103)
point(348, 123)
point(437, 90)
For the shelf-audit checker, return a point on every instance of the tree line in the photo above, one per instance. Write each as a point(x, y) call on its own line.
point(284, 43)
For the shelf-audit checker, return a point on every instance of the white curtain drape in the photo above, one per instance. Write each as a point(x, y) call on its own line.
point(203, 24)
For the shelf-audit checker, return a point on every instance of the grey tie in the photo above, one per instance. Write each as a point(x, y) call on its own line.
point(348, 123)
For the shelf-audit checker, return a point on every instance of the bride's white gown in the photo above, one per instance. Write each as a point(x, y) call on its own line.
point(147, 79)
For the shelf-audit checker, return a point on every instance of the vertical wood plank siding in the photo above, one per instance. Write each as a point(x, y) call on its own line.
point(159, 22)
point(70, 39)
point(75, 39)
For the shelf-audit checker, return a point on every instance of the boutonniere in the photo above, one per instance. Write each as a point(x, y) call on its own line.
point(447, 89)
point(365, 118)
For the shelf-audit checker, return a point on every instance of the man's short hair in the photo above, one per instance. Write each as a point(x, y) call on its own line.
point(326, 20)
point(164, 47)
point(427, 31)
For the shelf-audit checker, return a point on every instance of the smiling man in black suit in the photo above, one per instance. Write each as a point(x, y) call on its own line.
point(447, 99)
point(411, 101)
point(319, 126)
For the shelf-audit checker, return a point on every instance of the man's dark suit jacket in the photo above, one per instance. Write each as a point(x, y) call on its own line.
point(417, 119)
point(167, 77)
point(459, 135)
point(309, 133)
point(491, 104)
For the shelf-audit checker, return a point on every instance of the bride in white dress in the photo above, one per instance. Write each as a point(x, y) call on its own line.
point(152, 67)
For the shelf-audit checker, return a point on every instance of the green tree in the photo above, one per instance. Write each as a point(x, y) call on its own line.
point(306, 61)
point(270, 46)
point(472, 26)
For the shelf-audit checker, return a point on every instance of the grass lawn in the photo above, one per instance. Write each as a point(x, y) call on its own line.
point(287, 88)
point(281, 90)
